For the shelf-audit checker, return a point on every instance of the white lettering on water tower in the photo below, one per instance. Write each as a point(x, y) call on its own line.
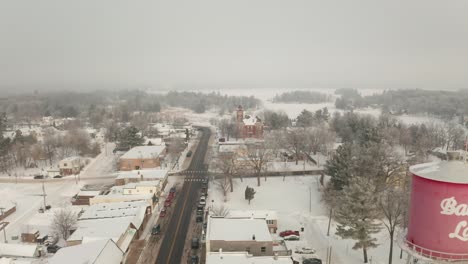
point(450, 206)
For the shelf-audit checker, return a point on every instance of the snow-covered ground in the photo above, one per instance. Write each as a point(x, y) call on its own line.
point(28, 196)
point(298, 203)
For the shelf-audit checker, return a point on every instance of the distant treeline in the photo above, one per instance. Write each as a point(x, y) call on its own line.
point(114, 104)
point(199, 102)
point(308, 97)
point(444, 104)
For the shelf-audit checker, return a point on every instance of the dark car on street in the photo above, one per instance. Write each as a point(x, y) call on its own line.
point(193, 259)
point(195, 243)
point(38, 177)
point(312, 261)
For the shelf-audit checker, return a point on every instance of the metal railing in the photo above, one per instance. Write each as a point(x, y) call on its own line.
point(418, 251)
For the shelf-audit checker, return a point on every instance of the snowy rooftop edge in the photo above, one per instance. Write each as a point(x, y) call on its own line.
point(444, 171)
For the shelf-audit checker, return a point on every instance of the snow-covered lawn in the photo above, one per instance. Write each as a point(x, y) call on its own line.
point(298, 203)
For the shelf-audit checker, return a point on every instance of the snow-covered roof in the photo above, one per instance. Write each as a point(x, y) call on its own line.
point(88, 193)
point(104, 250)
point(42, 221)
point(133, 185)
point(112, 210)
point(444, 171)
point(229, 229)
point(256, 214)
point(244, 258)
point(18, 250)
point(6, 205)
point(147, 174)
point(250, 121)
point(144, 152)
point(108, 228)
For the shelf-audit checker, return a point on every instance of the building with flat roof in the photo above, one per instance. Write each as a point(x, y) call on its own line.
point(142, 157)
point(244, 258)
point(97, 252)
point(239, 235)
point(270, 217)
point(124, 177)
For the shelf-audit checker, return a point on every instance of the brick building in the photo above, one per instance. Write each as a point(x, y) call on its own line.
point(142, 157)
point(249, 126)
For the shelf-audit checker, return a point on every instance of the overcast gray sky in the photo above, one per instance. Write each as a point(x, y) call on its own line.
point(248, 43)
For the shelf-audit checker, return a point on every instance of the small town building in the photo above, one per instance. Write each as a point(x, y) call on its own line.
point(249, 126)
point(251, 236)
point(53, 171)
point(9, 250)
point(140, 210)
point(96, 252)
point(125, 177)
point(270, 217)
point(82, 197)
point(142, 157)
point(118, 196)
point(70, 165)
point(122, 230)
point(222, 257)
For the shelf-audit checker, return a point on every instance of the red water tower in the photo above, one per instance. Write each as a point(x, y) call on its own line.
point(438, 217)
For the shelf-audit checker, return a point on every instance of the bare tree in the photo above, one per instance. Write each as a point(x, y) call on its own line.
point(49, 145)
point(455, 136)
point(257, 156)
point(293, 141)
point(392, 203)
point(64, 221)
point(228, 165)
point(224, 186)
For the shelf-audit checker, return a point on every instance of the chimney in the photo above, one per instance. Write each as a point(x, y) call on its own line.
point(253, 237)
point(453, 155)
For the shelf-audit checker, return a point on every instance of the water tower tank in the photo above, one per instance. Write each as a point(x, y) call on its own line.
point(438, 218)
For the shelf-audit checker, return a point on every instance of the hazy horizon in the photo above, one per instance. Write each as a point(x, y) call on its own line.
point(212, 44)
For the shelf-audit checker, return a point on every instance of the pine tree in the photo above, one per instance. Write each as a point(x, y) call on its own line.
point(339, 167)
point(249, 193)
point(357, 214)
point(129, 138)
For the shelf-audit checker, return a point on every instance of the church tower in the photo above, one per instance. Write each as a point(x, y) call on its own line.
point(240, 114)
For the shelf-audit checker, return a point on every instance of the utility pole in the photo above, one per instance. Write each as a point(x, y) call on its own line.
point(44, 195)
point(3, 226)
point(310, 199)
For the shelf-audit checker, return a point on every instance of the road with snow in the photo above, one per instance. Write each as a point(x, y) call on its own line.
point(172, 246)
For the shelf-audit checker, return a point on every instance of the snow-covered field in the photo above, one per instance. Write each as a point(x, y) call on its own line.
point(298, 203)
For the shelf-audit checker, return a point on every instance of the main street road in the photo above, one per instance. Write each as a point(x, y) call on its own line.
point(172, 247)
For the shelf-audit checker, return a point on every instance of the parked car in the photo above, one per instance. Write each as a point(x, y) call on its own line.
point(202, 200)
point(57, 177)
point(199, 218)
point(291, 237)
point(195, 243)
point(171, 195)
point(163, 212)
point(288, 233)
point(48, 207)
point(156, 229)
point(205, 225)
point(38, 177)
point(194, 259)
point(53, 249)
point(172, 190)
point(312, 261)
point(167, 203)
point(189, 153)
point(305, 250)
